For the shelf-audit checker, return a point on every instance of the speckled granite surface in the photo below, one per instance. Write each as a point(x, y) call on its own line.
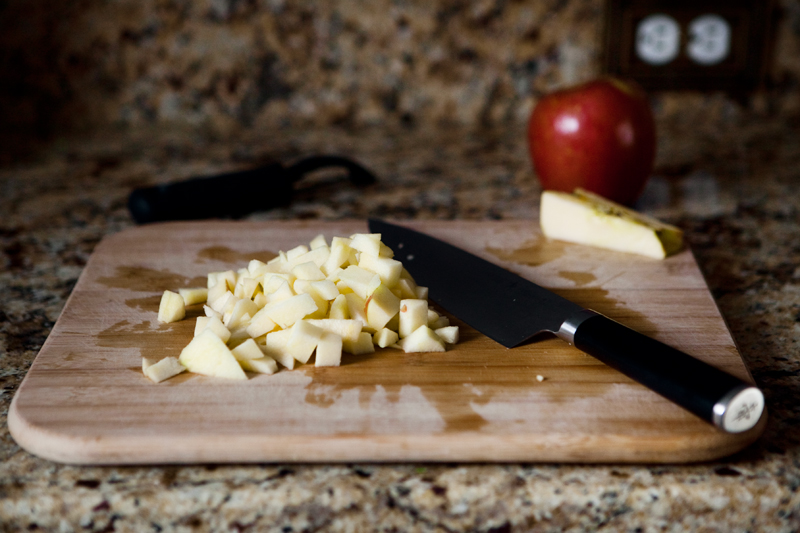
point(736, 193)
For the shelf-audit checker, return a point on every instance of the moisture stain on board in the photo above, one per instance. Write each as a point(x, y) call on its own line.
point(226, 255)
point(143, 279)
point(152, 341)
point(534, 252)
point(578, 278)
point(456, 383)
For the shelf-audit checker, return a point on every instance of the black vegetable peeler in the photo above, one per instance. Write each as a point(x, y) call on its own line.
point(233, 194)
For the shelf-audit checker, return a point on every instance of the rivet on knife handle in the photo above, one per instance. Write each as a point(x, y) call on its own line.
point(726, 401)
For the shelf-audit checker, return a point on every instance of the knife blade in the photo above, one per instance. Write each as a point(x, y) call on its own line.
point(511, 310)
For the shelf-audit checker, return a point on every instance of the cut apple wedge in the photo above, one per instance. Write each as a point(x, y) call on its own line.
point(586, 218)
point(207, 354)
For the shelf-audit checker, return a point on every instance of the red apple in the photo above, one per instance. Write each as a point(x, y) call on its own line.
point(599, 136)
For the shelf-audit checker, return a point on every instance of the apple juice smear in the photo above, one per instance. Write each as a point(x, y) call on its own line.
point(318, 300)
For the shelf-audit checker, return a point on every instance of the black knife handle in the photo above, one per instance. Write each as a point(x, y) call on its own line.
point(726, 401)
point(233, 194)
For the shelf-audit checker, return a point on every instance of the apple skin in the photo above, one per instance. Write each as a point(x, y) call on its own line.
point(599, 136)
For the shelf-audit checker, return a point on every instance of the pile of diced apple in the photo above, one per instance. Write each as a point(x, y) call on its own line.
point(319, 300)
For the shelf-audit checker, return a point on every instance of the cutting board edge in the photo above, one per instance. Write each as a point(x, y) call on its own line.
point(225, 448)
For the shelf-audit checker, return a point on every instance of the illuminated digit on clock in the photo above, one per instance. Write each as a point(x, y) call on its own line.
point(658, 39)
point(709, 39)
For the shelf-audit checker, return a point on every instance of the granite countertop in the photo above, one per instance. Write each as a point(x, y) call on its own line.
point(736, 194)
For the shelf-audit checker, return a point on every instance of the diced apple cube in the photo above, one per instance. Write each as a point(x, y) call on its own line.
point(338, 308)
point(247, 350)
point(381, 306)
point(209, 312)
point(216, 327)
point(241, 309)
point(271, 281)
point(260, 299)
point(329, 350)
point(388, 269)
point(413, 314)
point(385, 337)
point(356, 309)
point(296, 252)
point(164, 369)
point(361, 346)
point(216, 292)
point(260, 324)
point(441, 322)
point(325, 289)
point(147, 363)
point(171, 308)
point(361, 281)
point(422, 292)
point(194, 295)
point(255, 266)
point(308, 271)
point(369, 243)
point(264, 365)
point(407, 289)
point(448, 334)
point(386, 251)
point(303, 340)
point(283, 292)
point(423, 339)
point(247, 287)
point(206, 354)
point(347, 329)
point(318, 242)
point(339, 254)
point(230, 277)
point(238, 336)
point(317, 256)
point(200, 325)
point(286, 312)
point(275, 347)
point(223, 303)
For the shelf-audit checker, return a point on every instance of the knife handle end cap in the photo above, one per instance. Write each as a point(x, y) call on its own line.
point(739, 410)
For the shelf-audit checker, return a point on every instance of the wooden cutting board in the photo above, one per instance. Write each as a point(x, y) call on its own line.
point(85, 399)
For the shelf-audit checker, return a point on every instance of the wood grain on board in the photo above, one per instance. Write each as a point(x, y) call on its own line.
point(85, 399)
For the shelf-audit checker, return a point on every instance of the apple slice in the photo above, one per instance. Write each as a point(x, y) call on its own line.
point(385, 337)
point(413, 314)
point(423, 339)
point(381, 306)
point(286, 312)
point(338, 308)
point(586, 218)
point(361, 346)
point(194, 295)
point(303, 339)
point(389, 270)
point(216, 327)
point(329, 350)
point(171, 308)
point(264, 365)
point(346, 329)
point(247, 350)
point(206, 354)
point(448, 334)
point(369, 243)
point(164, 369)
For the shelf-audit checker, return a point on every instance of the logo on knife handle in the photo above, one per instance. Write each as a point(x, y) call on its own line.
point(745, 410)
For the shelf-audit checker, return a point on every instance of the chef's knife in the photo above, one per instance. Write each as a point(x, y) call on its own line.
point(511, 310)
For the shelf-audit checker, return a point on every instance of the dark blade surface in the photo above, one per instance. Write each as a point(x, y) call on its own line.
point(500, 304)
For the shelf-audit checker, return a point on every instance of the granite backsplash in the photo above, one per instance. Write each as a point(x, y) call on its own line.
point(223, 66)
